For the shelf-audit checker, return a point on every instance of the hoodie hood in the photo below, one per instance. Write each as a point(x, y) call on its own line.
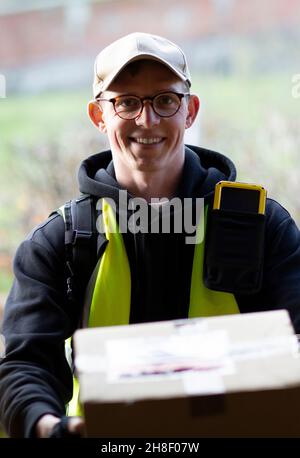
point(203, 168)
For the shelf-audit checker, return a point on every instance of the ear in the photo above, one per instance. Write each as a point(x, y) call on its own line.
point(193, 108)
point(96, 115)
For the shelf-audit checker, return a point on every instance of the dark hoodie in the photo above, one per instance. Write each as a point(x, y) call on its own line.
point(160, 263)
point(35, 378)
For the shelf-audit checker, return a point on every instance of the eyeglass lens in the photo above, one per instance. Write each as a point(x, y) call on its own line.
point(129, 107)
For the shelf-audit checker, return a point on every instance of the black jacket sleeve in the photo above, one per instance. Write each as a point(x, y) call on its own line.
point(35, 377)
point(281, 277)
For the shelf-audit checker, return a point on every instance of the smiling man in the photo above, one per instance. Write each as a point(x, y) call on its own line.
point(143, 103)
point(145, 112)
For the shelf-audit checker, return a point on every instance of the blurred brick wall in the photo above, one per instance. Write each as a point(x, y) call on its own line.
point(30, 37)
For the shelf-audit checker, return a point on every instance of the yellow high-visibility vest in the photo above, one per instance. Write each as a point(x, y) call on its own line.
point(111, 292)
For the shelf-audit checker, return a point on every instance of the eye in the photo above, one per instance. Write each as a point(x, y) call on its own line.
point(127, 103)
point(165, 100)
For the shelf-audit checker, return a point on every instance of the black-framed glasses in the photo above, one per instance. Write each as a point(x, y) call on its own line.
point(165, 104)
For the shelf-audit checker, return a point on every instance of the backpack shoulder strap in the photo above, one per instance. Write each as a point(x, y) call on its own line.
point(80, 243)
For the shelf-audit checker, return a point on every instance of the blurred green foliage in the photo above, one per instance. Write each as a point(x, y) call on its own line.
point(2, 434)
point(256, 122)
point(29, 125)
point(42, 115)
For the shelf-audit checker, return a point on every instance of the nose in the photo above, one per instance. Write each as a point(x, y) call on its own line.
point(148, 118)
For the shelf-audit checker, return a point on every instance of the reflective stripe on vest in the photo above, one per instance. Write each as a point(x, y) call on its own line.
point(111, 290)
point(110, 304)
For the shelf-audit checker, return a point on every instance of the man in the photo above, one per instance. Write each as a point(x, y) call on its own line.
point(142, 101)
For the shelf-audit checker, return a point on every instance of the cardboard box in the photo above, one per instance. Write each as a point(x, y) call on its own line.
point(229, 376)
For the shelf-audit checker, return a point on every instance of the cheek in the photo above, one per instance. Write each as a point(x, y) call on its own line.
point(117, 133)
point(179, 125)
point(111, 123)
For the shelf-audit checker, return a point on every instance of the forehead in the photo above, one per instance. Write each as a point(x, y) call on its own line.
point(145, 75)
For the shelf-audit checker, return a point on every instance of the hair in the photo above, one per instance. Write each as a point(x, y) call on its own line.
point(134, 68)
point(187, 87)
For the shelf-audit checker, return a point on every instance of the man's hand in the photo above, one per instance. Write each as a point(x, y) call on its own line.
point(47, 422)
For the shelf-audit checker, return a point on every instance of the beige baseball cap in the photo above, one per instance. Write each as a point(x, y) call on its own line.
point(136, 46)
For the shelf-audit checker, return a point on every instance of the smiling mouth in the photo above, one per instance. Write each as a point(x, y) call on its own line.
point(147, 141)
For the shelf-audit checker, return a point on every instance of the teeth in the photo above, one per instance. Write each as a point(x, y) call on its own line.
point(148, 141)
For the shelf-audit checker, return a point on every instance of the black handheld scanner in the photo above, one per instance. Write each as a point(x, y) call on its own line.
point(234, 247)
point(243, 197)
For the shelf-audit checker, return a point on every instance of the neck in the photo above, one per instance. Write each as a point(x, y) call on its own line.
point(153, 184)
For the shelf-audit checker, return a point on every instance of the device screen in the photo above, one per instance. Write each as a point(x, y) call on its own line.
point(240, 199)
